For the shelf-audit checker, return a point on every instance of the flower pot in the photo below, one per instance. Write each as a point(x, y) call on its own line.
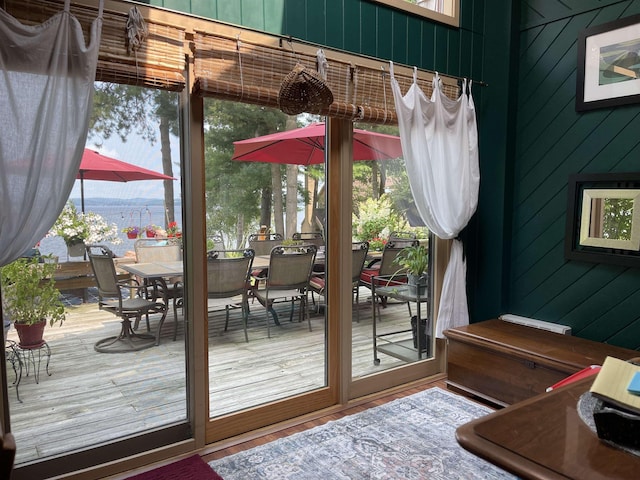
point(30, 335)
point(420, 334)
point(151, 234)
point(132, 235)
point(417, 284)
point(76, 250)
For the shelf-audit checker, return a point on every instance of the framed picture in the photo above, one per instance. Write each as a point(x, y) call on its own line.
point(608, 71)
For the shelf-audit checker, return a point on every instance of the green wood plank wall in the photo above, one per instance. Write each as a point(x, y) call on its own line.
point(600, 302)
point(358, 26)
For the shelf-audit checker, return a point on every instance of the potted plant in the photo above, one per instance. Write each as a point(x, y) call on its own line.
point(174, 233)
point(30, 297)
point(414, 260)
point(377, 244)
point(132, 231)
point(76, 229)
point(151, 230)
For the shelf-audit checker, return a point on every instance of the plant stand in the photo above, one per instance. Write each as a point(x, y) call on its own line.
point(410, 349)
point(24, 358)
point(13, 357)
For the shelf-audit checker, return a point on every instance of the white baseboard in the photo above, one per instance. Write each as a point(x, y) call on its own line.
point(532, 322)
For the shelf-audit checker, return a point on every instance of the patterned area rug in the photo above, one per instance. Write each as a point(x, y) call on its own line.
point(191, 468)
point(412, 438)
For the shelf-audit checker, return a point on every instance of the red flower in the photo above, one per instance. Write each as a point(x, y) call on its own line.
point(173, 230)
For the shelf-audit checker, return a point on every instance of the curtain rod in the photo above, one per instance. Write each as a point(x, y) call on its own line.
point(289, 39)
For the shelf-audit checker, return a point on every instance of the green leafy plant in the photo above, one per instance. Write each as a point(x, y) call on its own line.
point(376, 219)
point(29, 293)
point(413, 259)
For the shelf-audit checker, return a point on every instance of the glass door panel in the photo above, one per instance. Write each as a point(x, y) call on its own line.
point(65, 396)
point(260, 195)
point(384, 216)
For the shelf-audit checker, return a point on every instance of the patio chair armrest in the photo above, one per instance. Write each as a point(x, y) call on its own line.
point(131, 285)
point(389, 280)
point(129, 282)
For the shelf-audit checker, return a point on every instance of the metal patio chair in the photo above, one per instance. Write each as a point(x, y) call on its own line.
point(228, 274)
point(121, 298)
point(402, 239)
point(314, 238)
point(287, 280)
point(385, 271)
point(359, 252)
point(262, 243)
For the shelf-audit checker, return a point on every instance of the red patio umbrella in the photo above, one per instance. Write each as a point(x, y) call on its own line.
point(95, 166)
point(305, 146)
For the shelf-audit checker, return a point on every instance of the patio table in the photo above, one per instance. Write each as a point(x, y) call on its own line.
point(154, 273)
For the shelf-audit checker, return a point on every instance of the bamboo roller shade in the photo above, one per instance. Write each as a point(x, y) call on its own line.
point(160, 62)
point(225, 67)
point(236, 70)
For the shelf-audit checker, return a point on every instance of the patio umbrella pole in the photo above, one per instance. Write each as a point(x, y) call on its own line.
point(82, 190)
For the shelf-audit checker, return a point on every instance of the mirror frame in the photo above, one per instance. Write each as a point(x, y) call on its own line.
point(578, 246)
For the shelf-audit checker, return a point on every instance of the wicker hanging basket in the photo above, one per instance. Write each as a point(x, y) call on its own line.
point(304, 90)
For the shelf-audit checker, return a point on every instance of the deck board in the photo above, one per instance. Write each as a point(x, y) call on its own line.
point(93, 397)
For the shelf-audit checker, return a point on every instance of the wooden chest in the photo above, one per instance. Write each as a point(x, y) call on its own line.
point(505, 363)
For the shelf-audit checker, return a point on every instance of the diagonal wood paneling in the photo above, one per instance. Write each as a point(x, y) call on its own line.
point(541, 12)
point(598, 301)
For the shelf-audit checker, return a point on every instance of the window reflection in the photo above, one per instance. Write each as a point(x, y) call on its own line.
point(610, 218)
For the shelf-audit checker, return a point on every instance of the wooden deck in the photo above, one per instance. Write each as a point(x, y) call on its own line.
point(91, 397)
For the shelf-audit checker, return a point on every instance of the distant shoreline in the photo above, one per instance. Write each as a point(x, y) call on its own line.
point(138, 212)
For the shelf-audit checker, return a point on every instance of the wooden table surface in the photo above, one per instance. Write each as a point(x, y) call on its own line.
point(545, 438)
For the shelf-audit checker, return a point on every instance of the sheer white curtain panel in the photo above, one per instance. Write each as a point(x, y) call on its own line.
point(439, 138)
point(46, 93)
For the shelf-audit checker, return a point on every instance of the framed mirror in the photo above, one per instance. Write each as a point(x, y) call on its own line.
point(603, 218)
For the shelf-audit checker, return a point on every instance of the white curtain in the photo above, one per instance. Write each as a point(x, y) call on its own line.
point(46, 92)
point(439, 140)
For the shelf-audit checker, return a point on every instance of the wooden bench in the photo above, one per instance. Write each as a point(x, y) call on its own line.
point(76, 277)
point(504, 362)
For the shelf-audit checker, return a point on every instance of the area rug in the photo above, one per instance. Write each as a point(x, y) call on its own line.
point(191, 468)
point(411, 438)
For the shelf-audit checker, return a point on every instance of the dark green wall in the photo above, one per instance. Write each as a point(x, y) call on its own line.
point(600, 302)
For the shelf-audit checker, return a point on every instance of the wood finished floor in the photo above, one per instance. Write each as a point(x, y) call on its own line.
point(93, 397)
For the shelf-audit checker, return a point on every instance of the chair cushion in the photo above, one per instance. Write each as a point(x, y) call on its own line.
point(317, 284)
point(366, 277)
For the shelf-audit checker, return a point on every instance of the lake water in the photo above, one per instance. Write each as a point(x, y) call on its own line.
point(123, 215)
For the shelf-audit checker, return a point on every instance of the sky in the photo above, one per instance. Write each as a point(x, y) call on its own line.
point(138, 152)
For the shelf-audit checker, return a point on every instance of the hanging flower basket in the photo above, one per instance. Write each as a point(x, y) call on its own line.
point(151, 231)
point(132, 232)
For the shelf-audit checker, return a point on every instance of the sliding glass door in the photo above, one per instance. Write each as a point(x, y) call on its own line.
point(392, 324)
point(72, 406)
point(266, 358)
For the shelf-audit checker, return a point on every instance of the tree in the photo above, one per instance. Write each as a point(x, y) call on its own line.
point(239, 194)
point(123, 109)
